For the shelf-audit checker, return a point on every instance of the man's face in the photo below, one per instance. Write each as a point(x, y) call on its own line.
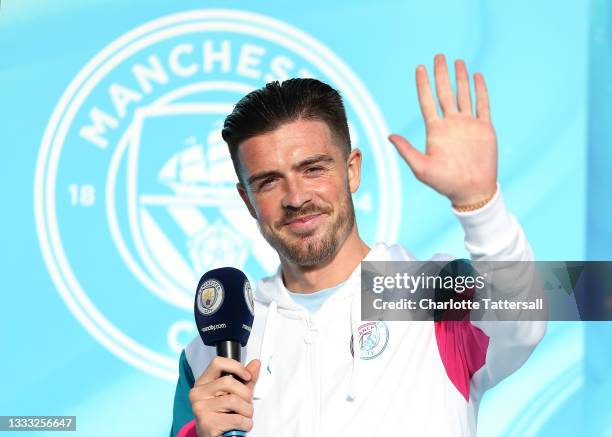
point(298, 185)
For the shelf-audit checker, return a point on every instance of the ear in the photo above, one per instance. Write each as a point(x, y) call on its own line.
point(245, 198)
point(354, 169)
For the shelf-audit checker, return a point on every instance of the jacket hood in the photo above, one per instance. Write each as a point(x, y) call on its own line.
point(272, 288)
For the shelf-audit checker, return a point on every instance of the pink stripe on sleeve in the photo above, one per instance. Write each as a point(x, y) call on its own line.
point(189, 430)
point(463, 350)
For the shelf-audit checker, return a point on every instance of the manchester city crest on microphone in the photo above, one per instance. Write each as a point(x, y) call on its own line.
point(210, 297)
point(248, 297)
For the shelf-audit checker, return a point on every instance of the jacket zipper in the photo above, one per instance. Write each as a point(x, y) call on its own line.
point(312, 370)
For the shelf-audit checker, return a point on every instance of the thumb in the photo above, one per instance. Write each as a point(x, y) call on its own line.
point(415, 159)
point(253, 368)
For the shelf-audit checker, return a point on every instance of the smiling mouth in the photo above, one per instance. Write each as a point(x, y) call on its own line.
point(305, 224)
point(303, 219)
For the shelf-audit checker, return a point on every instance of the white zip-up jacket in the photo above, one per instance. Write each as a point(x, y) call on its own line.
point(403, 379)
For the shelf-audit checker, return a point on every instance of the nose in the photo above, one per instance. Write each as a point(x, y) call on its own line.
point(296, 194)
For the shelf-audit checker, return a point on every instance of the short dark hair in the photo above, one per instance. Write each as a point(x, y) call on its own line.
point(278, 103)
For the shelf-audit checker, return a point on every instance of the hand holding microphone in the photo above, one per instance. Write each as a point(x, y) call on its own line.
point(221, 402)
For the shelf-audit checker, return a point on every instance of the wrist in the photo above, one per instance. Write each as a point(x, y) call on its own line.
point(473, 203)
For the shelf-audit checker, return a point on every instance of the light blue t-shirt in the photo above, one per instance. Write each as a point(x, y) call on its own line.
point(313, 301)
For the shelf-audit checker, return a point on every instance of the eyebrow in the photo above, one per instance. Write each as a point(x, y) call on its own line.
point(315, 159)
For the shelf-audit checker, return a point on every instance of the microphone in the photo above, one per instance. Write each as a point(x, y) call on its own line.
point(224, 314)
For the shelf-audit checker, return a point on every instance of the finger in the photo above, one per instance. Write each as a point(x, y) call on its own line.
point(218, 365)
point(426, 98)
point(464, 99)
point(218, 423)
point(482, 97)
point(224, 385)
point(231, 404)
point(415, 159)
point(443, 85)
point(253, 368)
point(237, 421)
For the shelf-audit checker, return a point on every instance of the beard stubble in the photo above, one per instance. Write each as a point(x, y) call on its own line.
point(308, 250)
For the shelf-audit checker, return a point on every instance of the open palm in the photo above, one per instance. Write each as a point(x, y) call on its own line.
point(460, 159)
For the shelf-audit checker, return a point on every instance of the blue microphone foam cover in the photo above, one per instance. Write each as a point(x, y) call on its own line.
point(223, 306)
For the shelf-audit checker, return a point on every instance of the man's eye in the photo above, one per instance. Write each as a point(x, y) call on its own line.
point(314, 170)
point(266, 182)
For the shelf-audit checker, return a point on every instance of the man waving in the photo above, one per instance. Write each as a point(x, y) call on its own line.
point(314, 367)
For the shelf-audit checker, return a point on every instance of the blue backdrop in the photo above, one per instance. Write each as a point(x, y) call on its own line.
point(117, 191)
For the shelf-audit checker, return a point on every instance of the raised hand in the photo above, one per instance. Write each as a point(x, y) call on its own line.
point(460, 159)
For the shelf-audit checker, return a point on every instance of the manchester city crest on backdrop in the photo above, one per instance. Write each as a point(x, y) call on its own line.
point(133, 150)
